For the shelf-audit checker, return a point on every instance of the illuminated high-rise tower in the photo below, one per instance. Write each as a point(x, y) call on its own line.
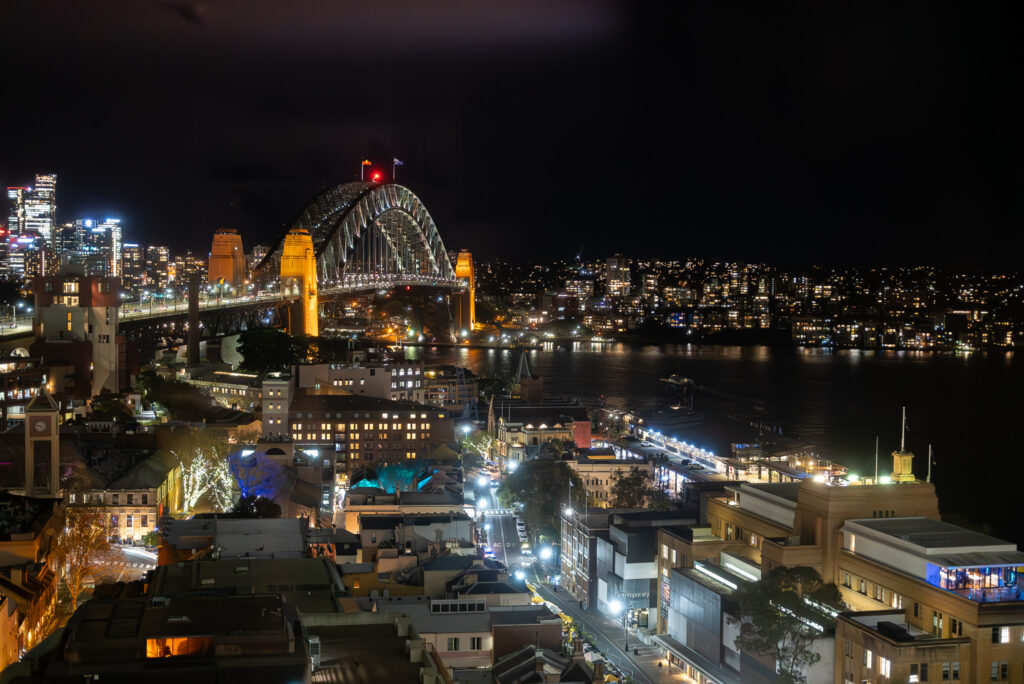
point(41, 206)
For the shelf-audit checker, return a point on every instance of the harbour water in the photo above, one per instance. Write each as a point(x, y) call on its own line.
point(965, 406)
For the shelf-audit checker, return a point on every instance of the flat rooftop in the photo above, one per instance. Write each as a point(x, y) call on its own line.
point(930, 534)
point(363, 654)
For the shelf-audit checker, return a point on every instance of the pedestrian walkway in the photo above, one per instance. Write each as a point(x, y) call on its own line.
point(611, 639)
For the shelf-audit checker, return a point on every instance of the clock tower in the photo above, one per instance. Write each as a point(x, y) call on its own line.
point(42, 445)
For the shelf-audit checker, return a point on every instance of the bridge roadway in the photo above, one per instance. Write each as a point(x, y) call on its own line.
point(134, 311)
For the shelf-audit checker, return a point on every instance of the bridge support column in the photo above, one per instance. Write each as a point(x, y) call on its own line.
point(192, 336)
point(465, 303)
point(298, 277)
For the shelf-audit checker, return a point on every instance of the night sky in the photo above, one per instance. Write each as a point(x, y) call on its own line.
point(792, 134)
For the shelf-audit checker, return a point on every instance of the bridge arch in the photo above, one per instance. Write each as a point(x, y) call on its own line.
point(369, 228)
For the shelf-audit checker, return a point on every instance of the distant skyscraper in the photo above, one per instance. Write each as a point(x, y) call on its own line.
point(113, 228)
point(133, 267)
point(41, 206)
point(15, 227)
point(157, 262)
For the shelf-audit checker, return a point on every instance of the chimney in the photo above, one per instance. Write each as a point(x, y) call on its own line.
point(599, 671)
point(538, 656)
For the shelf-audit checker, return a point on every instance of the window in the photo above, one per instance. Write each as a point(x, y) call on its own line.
point(145, 521)
point(131, 499)
point(476, 643)
point(884, 666)
point(846, 580)
point(867, 659)
point(145, 499)
point(675, 557)
point(849, 648)
point(355, 583)
point(128, 520)
point(1004, 635)
point(862, 587)
point(956, 670)
point(115, 499)
point(453, 643)
point(879, 593)
point(1004, 671)
point(917, 609)
point(924, 672)
point(994, 673)
point(945, 672)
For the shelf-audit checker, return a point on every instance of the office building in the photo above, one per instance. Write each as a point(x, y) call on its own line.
point(40, 207)
point(157, 267)
point(938, 600)
point(133, 268)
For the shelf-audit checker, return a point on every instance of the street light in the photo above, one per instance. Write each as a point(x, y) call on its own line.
point(616, 606)
point(545, 553)
point(482, 481)
point(569, 511)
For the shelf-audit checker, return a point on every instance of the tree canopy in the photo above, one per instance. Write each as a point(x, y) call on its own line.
point(783, 615)
point(79, 547)
point(541, 487)
point(256, 507)
point(637, 488)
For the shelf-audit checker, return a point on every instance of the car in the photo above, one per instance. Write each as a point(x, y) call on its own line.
point(491, 555)
point(526, 551)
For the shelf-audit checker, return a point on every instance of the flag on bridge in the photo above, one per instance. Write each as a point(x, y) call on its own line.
point(397, 162)
point(366, 162)
point(362, 169)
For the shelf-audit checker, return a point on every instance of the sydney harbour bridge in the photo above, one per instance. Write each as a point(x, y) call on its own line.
point(350, 239)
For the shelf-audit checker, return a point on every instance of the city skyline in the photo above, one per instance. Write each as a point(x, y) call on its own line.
point(809, 137)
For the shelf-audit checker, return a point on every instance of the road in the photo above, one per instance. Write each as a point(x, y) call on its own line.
point(609, 636)
point(504, 539)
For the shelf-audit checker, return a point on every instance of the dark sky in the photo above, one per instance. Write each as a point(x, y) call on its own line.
point(781, 132)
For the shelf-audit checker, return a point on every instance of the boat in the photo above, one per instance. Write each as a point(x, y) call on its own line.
point(677, 381)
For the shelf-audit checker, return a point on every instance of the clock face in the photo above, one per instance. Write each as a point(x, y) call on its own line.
point(40, 426)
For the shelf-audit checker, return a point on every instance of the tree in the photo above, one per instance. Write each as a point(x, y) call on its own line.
point(552, 449)
point(204, 471)
point(541, 489)
point(636, 488)
point(483, 443)
point(106, 403)
point(256, 474)
point(256, 507)
point(266, 349)
point(79, 547)
point(783, 615)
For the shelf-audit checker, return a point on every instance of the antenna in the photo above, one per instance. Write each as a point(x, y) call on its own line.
point(903, 431)
point(876, 459)
point(929, 464)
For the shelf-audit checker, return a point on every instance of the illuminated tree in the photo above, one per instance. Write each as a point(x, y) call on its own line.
point(204, 471)
point(484, 444)
point(256, 474)
point(79, 547)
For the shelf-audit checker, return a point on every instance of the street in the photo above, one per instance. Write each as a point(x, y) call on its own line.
point(609, 637)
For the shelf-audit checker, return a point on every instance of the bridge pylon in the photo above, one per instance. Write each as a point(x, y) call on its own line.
point(299, 277)
point(465, 303)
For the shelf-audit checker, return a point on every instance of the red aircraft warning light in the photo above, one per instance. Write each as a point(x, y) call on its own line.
point(376, 176)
